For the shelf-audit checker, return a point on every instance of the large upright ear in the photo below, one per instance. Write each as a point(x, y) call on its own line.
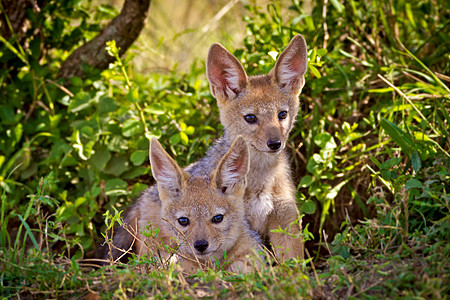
point(165, 170)
point(233, 167)
point(225, 73)
point(291, 65)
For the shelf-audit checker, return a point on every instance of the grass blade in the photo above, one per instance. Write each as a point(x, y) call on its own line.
point(400, 137)
point(409, 101)
point(424, 66)
point(30, 234)
point(14, 50)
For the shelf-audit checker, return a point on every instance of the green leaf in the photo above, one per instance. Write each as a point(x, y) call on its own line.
point(35, 47)
point(184, 138)
point(76, 81)
point(135, 172)
point(107, 104)
point(18, 131)
point(306, 181)
point(322, 51)
point(314, 164)
point(415, 160)
point(335, 190)
point(175, 139)
point(314, 71)
point(133, 95)
point(325, 141)
point(117, 143)
point(155, 108)
point(87, 132)
point(309, 207)
point(413, 183)
point(114, 187)
point(100, 158)
point(132, 127)
point(315, 191)
point(81, 102)
point(138, 157)
point(153, 134)
point(400, 137)
point(116, 165)
point(390, 163)
point(138, 188)
point(189, 130)
point(80, 201)
point(7, 115)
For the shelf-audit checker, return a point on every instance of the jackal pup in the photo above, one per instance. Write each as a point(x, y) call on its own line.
point(262, 109)
point(201, 214)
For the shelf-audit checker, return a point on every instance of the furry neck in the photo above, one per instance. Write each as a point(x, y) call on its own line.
point(263, 165)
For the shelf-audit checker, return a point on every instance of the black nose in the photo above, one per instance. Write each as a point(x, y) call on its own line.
point(201, 245)
point(274, 144)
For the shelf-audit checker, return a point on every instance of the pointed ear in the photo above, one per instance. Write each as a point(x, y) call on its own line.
point(225, 73)
point(165, 170)
point(233, 167)
point(291, 65)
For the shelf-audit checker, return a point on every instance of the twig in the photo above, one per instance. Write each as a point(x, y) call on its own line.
point(62, 88)
point(211, 24)
point(325, 26)
point(443, 77)
point(135, 238)
point(325, 236)
point(313, 268)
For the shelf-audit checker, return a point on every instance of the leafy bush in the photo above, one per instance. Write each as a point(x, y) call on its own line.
point(92, 135)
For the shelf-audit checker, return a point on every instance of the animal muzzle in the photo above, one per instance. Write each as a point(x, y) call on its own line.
point(274, 144)
point(201, 245)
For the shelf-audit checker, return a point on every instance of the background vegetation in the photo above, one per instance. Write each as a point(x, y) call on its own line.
point(370, 151)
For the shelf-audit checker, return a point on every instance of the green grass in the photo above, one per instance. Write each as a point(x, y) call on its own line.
point(381, 262)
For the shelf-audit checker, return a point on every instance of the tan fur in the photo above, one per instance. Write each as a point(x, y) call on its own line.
point(270, 195)
point(198, 197)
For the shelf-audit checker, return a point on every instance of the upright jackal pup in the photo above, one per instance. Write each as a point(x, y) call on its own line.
point(202, 214)
point(262, 109)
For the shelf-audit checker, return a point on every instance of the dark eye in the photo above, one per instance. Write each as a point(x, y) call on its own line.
point(217, 219)
point(251, 119)
point(183, 221)
point(282, 115)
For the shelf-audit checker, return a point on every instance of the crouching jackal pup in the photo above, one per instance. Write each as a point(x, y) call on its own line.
point(262, 109)
point(200, 214)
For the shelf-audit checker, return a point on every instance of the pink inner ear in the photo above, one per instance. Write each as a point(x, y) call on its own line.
point(227, 78)
point(163, 170)
point(296, 64)
point(290, 71)
point(236, 167)
point(157, 166)
point(225, 73)
point(221, 79)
